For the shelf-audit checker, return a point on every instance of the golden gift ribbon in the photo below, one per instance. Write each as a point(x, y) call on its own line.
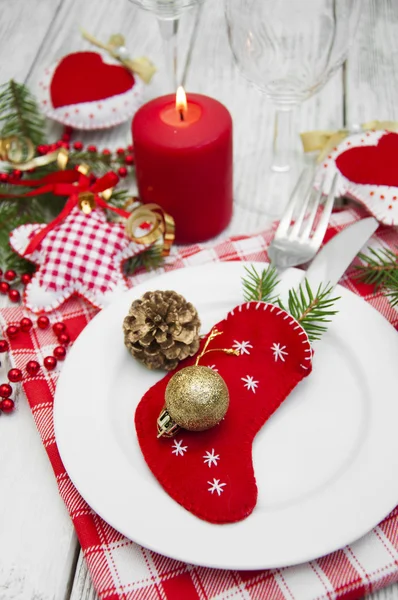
point(141, 66)
point(326, 141)
point(23, 159)
point(16, 150)
point(161, 222)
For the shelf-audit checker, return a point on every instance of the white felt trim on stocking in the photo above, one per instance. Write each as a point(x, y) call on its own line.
point(380, 200)
point(99, 114)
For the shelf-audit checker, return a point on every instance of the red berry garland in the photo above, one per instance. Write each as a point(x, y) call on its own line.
point(4, 346)
point(50, 362)
point(10, 275)
point(125, 155)
point(5, 390)
point(12, 331)
point(59, 328)
point(7, 405)
point(26, 324)
point(4, 287)
point(59, 352)
point(15, 375)
point(32, 368)
point(25, 278)
point(14, 295)
point(43, 322)
point(64, 338)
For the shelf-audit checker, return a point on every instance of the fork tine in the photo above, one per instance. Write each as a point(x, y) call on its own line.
point(294, 234)
point(310, 221)
point(286, 219)
point(323, 223)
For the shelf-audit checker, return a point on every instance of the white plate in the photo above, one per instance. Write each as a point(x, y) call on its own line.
point(325, 463)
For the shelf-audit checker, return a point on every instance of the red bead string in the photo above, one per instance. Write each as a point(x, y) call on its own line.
point(126, 154)
point(32, 367)
point(11, 277)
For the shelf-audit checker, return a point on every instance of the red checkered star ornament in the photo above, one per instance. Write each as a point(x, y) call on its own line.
point(83, 254)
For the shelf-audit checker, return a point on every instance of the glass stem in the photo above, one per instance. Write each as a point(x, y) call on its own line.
point(283, 139)
point(169, 33)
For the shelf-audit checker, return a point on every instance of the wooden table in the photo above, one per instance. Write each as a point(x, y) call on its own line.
point(39, 554)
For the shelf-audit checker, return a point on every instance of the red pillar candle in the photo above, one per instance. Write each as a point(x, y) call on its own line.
point(183, 159)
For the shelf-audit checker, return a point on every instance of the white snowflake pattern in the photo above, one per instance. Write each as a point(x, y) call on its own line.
point(250, 383)
point(216, 486)
point(213, 368)
point(279, 352)
point(243, 347)
point(211, 458)
point(178, 448)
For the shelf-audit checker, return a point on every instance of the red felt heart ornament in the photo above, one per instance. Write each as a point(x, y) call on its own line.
point(211, 473)
point(84, 77)
point(374, 165)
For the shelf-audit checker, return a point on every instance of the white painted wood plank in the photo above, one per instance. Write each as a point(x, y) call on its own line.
point(23, 27)
point(372, 72)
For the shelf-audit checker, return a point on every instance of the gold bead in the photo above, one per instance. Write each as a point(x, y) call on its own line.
point(196, 398)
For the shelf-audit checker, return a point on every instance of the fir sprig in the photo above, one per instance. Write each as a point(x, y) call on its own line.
point(98, 162)
point(311, 310)
point(149, 259)
point(260, 286)
point(378, 268)
point(19, 113)
point(14, 213)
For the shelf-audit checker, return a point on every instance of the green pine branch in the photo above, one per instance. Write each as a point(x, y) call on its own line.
point(378, 267)
point(260, 286)
point(14, 213)
point(311, 310)
point(19, 113)
point(148, 259)
point(99, 163)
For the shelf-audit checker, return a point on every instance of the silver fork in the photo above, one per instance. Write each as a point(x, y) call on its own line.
point(297, 243)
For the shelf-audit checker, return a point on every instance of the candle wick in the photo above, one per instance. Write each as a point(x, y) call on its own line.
point(181, 115)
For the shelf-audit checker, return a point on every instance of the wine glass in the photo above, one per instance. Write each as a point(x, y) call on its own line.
point(289, 49)
point(168, 13)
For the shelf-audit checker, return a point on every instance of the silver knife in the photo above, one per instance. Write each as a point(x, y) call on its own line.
point(331, 262)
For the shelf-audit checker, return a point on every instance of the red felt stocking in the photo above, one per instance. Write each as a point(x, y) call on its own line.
point(210, 473)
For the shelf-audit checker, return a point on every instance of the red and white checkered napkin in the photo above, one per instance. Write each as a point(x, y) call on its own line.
point(122, 569)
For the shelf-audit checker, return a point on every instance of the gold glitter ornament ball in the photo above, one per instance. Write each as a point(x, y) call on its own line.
point(197, 398)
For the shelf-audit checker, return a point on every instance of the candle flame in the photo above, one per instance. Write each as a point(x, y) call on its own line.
point(181, 100)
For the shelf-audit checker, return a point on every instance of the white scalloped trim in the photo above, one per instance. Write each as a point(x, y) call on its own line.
point(21, 236)
point(100, 114)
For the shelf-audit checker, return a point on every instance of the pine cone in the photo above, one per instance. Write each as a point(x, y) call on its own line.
point(161, 329)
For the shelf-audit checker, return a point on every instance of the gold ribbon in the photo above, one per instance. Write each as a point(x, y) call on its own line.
point(141, 66)
point(11, 152)
point(327, 141)
point(16, 150)
point(161, 222)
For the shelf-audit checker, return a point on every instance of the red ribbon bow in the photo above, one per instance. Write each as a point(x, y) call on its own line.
point(69, 183)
